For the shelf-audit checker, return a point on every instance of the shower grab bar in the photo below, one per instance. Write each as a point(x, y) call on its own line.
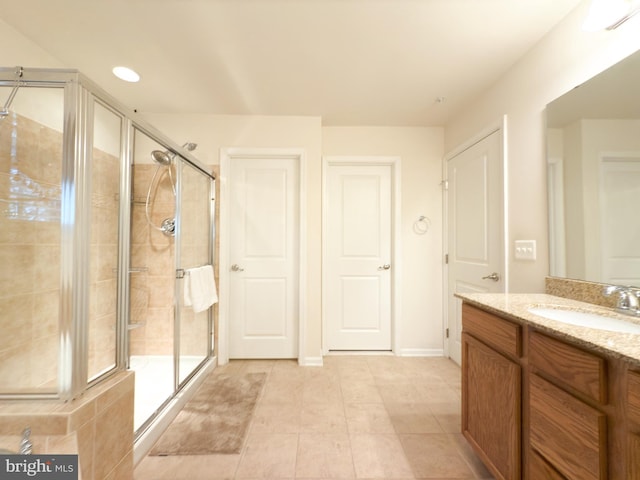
point(181, 272)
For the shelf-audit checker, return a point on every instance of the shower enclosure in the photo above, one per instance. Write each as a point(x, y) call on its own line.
point(102, 215)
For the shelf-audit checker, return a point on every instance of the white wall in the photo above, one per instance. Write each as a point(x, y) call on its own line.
point(420, 150)
point(566, 57)
point(19, 50)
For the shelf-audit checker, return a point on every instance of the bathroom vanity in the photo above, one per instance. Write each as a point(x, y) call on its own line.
point(545, 399)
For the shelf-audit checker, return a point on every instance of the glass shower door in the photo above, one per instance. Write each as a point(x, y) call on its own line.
point(194, 250)
point(151, 280)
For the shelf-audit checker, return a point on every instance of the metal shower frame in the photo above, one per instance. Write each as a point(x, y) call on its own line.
point(80, 93)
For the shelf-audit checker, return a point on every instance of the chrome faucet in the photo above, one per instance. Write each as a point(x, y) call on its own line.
point(628, 299)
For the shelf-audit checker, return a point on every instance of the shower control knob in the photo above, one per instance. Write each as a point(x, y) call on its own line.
point(236, 268)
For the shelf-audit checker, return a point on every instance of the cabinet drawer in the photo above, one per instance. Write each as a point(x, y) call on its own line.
point(568, 433)
point(633, 396)
point(506, 336)
point(569, 365)
point(539, 469)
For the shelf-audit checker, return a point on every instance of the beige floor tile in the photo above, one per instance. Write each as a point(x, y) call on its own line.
point(322, 389)
point(324, 456)
point(276, 418)
point(390, 378)
point(446, 408)
point(400, 393)
point(450, 423)
point(323, 418)
point(269, 456)
point(282, 391)
point(434, 456)
point(356, 373)
point(470, 457)
point(438, 393)
point(360, 392)
point(368, 418)
point(413, 418)
point(379, 456)
point(361, 417)
point(187, 467)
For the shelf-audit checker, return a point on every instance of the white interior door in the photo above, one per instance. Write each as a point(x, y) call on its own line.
point(474, 228)
point(358, 257)
point(619, 200)
point(263, 254)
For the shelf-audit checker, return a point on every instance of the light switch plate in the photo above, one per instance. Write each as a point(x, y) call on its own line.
point(525, 249)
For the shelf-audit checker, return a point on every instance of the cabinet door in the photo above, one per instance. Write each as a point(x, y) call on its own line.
point(491, 407)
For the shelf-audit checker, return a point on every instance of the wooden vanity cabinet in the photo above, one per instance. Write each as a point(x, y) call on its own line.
point(538, 406)
point(492, 390)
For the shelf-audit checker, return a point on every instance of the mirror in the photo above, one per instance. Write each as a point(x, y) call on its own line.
point(593, 160)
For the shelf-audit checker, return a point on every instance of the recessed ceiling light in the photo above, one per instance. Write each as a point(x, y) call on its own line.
point(126, 74)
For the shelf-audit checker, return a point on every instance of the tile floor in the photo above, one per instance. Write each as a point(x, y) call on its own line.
point(357, 417)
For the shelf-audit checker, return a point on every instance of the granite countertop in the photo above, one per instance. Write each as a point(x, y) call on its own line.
point(515, 306)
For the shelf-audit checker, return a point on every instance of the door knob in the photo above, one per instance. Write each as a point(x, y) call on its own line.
point(386, 266)
point(237, 268)
point(494, 276)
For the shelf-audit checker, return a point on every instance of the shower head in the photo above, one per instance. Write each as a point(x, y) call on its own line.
point(166, 158)
point(161, 158)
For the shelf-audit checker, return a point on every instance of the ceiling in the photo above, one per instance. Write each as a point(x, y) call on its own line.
point(352, 62)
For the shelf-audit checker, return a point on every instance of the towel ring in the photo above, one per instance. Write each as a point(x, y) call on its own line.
point(422, 225)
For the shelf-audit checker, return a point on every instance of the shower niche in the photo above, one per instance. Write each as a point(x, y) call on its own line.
point(99, 213)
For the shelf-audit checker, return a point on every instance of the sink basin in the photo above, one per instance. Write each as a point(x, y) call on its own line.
point(586, 319)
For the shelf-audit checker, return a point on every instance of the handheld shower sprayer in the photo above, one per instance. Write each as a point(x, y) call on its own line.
point(164, 159)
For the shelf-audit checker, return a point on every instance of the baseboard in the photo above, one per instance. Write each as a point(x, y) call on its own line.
point(420, 352)
point(310, 361)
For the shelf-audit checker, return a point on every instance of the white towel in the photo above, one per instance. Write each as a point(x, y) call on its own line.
point(200, 288)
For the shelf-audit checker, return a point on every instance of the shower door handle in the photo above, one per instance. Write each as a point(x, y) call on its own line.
point(236, 268)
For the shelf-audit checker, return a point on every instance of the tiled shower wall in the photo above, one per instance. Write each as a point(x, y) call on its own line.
point(30, 195)
point(30, 172)
point(153, 265)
